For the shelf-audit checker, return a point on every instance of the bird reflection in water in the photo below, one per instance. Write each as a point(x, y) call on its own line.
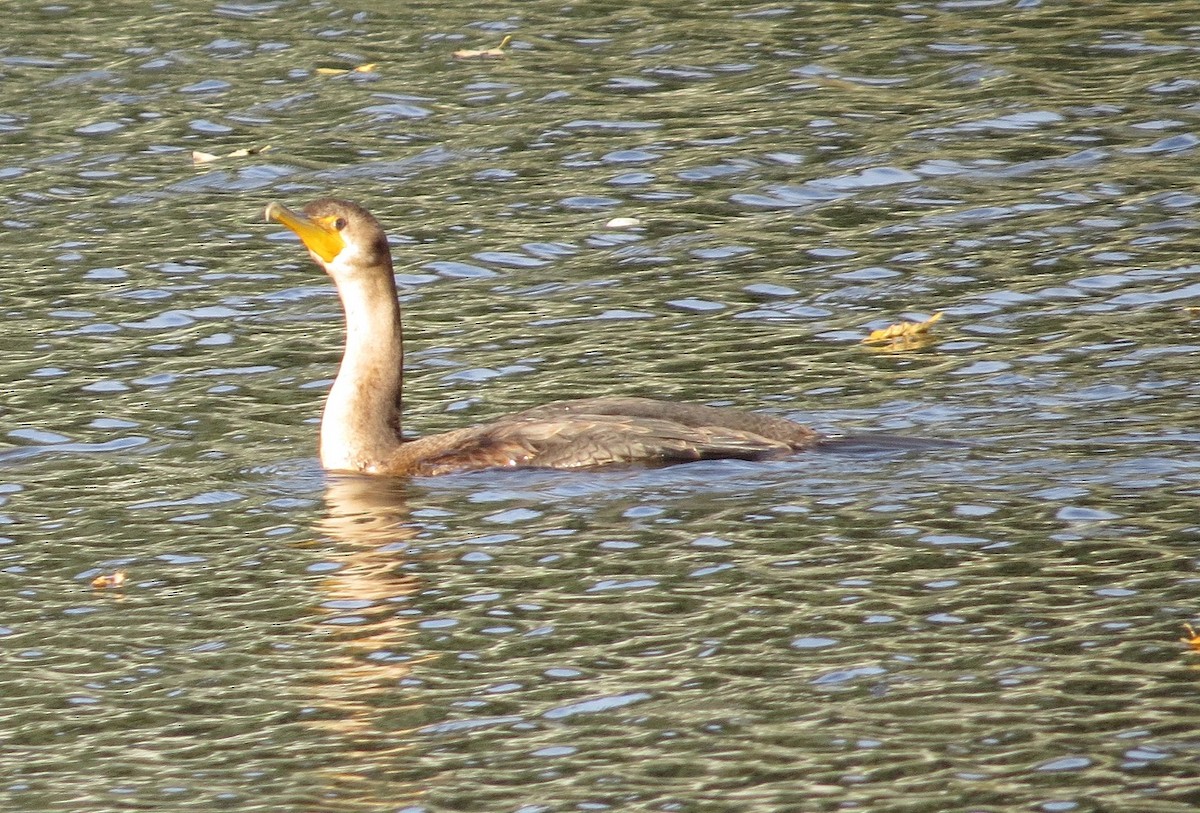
point(357, 696)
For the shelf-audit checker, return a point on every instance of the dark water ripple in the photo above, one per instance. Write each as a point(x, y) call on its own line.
point(696, 202)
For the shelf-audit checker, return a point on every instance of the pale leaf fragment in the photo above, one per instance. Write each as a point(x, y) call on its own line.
point(487, 53)
point(242, 153)
point(207, 157)
point(367, 68)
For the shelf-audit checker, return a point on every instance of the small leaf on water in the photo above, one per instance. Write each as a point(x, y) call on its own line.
point(109, 581)
point(1192, 639)
point(368, 68)
point(904, 335)
point(207, 157)
point(249, 151)
point(487, 53)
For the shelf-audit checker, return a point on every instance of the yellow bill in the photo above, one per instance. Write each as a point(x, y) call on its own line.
point(320, 235)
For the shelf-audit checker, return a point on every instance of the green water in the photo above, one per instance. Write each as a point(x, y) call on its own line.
point(987, 628)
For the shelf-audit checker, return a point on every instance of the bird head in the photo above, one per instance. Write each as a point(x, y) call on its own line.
point(342, 237)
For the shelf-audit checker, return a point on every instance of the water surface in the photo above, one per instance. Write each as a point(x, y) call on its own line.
point(986, 627)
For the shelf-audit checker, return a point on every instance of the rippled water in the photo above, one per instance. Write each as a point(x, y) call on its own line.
point(993, 627)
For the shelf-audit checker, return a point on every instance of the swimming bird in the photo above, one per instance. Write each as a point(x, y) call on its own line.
point(360, 425)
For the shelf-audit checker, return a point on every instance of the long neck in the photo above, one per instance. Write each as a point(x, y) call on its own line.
point(360, 427)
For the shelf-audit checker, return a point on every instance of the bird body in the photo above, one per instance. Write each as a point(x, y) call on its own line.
point(601, 432)
point(360, 425)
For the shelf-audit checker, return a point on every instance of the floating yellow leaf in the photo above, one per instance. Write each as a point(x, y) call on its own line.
point(109, 581)
point(203, 157)
point(1192, 639)
point(904, 335)
point(332, 71)
point(488, 53)
point(366, 68)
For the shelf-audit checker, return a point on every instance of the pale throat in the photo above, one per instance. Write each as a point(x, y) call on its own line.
point(360, 423)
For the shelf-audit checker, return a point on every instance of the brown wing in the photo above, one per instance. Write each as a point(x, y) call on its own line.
point(580, 440)
point(795, 435)
point(602, 440)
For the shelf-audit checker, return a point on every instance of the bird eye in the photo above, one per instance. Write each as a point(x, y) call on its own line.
point(340, 223)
